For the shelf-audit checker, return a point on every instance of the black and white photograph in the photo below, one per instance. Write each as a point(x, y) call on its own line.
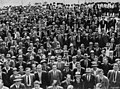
point(59, 44)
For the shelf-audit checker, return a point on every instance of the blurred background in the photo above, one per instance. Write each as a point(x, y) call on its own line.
point(26, 2)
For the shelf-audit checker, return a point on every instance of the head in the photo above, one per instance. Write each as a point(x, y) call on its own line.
point(27, 71)
point(78, 65)
point(88, 71)
point(54, 67)
point(68, 78)
point(74, 58)
point(37, 85)
point(100, 72)
point(21, 69)
point(115, 67)
point(105, 60)
point(39, 68)
point(20, 58)
point(15, 72)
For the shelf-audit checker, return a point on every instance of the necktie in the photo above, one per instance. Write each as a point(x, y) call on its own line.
point(115, 74)
point(28, 80)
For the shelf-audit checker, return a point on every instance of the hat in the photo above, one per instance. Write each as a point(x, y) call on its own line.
point(43, 61)
point(17, 78)
point(94, 64)
point(71, 45)
point(52, 58)
point(13, 57)
point(49, 54)
point(14, 69)
point(92, 51)
point(66, 65)
point(27, 37)
point(37, 39)
point(8, 55)
point(20, 56)
point(77, 74)
point(88, 70)
point(29, 49)
point(116, 60)
point(36, 82)
point(66, 51)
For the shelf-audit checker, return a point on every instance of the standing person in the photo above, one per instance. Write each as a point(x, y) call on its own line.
point(28, 78)
point(88, 79)
point(78, 83)
point(2, 85)
point(114, 77)
point(67, 81)
point(55, 85)
point(37, 85)
point(18, 84)
point(41, 76)
point(8, 72)
point(102, 79)
point(55, 74)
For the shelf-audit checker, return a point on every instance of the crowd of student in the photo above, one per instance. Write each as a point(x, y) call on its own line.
point(60, 46)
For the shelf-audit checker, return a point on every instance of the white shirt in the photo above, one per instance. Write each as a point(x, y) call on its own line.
point(29, 80)
point(40, 76)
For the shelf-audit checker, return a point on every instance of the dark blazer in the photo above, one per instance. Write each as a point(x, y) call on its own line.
point(64, 84)
point(88, 84)
point(62, 64)
point(22, 86)
point(111, 76)
point(106, 68)
point(84, 65)
point(44, 79)
point(58, 76)
point(104, 82)
point(78, 85)
point(6, 76)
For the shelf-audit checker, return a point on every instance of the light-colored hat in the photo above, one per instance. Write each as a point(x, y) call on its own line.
point(88, 70)
point(77, 74)
point(17, 78)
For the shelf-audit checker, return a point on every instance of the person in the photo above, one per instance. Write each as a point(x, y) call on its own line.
point(78, 81)
point(88, 79)
point(114, 77)
point(68, 81)
point(2, 85)
point(8, 72)
point(101, 78)
point(28, 78)
point(37, 85)
point(15, 73)
point(41, 76)
point(17, 84)
point(55, 85)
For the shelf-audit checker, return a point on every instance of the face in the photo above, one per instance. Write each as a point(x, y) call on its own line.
point(37, 86)
point(115, 67)
point(39, 69)
point(54, 67)
point(27, 72)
